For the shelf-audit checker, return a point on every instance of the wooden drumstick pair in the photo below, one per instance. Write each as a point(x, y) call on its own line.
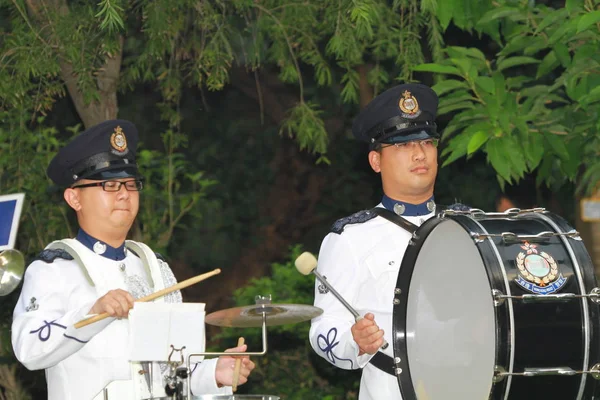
point(153, 296)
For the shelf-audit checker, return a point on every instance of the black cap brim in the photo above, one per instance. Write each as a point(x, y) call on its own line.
point(403, 137)
point(121, 173)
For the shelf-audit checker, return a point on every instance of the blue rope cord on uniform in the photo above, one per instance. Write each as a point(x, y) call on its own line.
point(329, 344)
point(74, 338)
point(44, 337)
point(42, 329)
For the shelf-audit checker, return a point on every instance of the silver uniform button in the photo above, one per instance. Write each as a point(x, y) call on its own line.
point(399, 208)
point(431, 205)
point(99, 248)
point(122, 267)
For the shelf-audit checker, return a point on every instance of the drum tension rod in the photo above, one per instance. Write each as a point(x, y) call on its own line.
point(500, 373)
point(476, 213)
point(509, 237)
point(500, 297)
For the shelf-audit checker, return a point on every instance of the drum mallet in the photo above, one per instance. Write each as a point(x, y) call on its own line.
point(307, 263)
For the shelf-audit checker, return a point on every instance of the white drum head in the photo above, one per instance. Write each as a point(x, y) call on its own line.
point(450, 327)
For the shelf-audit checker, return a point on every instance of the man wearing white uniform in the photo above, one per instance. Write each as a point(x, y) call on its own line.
point(99, 272)
point(362, 254)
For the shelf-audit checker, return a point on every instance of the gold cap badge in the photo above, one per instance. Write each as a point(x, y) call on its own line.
point(409, 104)
point(118, 140)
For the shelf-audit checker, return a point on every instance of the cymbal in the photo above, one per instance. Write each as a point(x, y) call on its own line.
point(12, 266)
point(251, 316)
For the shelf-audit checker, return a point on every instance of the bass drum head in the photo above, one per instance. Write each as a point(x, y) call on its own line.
point(450, 324)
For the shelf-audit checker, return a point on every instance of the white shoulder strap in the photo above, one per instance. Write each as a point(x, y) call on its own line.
point(75, 250)
point(151, 263)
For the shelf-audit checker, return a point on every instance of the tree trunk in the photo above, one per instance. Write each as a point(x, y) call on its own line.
point(106, 77)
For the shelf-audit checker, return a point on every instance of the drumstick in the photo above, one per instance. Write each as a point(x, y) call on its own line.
point(156, 295)
point(238, 365)
point(307, 263)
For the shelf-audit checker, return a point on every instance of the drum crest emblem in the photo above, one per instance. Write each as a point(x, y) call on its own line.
point(538, 271)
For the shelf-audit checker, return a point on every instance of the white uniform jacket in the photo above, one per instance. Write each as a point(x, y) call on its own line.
point(362, 264)
point(80, 363)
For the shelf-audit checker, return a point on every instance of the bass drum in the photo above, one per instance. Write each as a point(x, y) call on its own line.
point(489, 306)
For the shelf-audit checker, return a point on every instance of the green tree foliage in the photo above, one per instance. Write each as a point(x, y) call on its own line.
point(533, 106)
point(93, 47)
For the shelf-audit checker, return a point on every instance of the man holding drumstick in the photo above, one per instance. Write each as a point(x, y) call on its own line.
point(361, 256)
point(99, 273)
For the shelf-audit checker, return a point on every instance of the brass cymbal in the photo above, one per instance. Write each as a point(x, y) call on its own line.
point(12, 266)
point(251, 316)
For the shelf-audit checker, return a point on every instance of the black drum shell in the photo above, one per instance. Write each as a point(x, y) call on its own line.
point(545, 335)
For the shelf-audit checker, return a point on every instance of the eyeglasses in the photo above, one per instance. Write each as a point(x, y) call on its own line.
point(115, 186)
point(427, 143)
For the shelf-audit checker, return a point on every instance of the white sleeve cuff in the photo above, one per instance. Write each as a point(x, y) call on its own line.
point(203, 379)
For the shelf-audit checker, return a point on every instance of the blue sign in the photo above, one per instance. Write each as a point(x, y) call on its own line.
point(10, 212)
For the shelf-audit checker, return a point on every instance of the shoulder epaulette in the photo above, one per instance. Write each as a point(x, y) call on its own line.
point(160, 257)
point(49, 255)
point(356, 218)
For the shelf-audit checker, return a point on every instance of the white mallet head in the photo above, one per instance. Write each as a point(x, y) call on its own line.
point(306, 263)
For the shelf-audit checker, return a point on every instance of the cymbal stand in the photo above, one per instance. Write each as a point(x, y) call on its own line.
point(263, 302)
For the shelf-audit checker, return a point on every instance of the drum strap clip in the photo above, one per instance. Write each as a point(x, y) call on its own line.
point(383, 362)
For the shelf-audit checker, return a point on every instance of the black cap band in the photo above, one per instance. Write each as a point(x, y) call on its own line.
point(83, 171)
point(385, 129)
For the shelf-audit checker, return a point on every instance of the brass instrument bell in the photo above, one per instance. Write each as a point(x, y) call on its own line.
point(12, 266)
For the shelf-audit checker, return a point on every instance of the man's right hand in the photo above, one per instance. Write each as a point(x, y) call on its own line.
point(115, 303)
point(367, 335)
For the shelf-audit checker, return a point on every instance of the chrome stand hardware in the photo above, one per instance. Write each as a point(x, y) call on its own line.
point(509, 237)
point(500, 373)
point(264, 302)
point(476, 213)
point(499, 297)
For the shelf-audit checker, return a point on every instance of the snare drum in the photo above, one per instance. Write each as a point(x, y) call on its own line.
point(489, 306)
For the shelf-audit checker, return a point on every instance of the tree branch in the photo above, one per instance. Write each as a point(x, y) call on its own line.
point(107, 77)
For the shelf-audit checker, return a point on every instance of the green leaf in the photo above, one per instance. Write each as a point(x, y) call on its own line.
point(444, 13)
point(499, 86)
point(557, 16)
point(468, 52)
point(496, 157)
point(563, 54)
point(534, 150)
point(497, 13)
point(588, 20)
point(571, 166)
point(449, 85)
point(454, 107)
point(517, 81)
point(557, 144)
point(437, 68)
point(548, 64)
point(514, 61)
point(486, 83)
point(567, 28)
point(477, 140)
point(513, 150)
point(518, 43)
point(573, 5)
point(591, 97)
